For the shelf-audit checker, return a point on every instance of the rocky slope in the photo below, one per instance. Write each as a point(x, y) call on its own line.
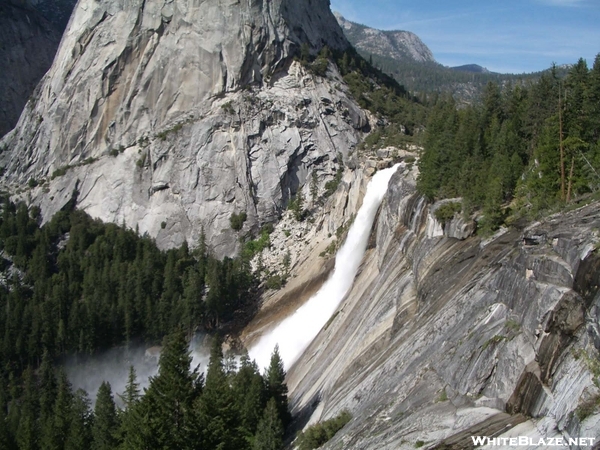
point(441, 338)
point(172, 116)
point(28, 43)
point(392, 44)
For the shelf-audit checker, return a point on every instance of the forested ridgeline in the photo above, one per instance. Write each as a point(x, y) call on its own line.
point(401, 115)
point(77, 285)
point(233, 408)
point(427, 78)
point(523, 150)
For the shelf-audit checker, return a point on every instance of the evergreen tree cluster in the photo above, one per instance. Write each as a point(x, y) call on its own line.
point(317, 435)
point(426, 79)
point(402, 114)
point(381, 94)
point(76, 285)
point(234, 408)
point(537, 144)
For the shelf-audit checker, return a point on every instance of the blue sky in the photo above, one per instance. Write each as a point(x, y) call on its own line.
point(510, 36)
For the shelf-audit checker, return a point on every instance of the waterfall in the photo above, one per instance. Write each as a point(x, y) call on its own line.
point(297, 331)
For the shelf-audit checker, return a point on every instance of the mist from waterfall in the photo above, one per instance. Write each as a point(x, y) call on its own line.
point(297, 331)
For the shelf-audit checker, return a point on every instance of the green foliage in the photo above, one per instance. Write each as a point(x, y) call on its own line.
point(60, 172)
point(141, 162)
point(105, 420)
point(237, 220)
point(275, 282)
point(443, 396)
point(167, 404)
point(269, 433)
point(372, 89)
point(317, 435)
point(508, 147)
point(332, 185)
point(330, 249)
point(493, 341)
point(88, 161)
point(235, 409)
point(314, 187)
point(512, 325)
point(228, 107)
point(319, 66)
point(173, 130)
point(32, 183)
point(104, 286)
point(592, 364)
point(276, 387)
point(79, 434)
point(304, 53)
point(143, 141)
point(419, 444)
point(296, 205)
point(447, 211)
point(432, 77)
point(253, 247)
point(217, 416)
point(587, 408)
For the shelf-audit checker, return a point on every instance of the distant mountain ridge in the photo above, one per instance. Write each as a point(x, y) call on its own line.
point(471, 68)
point(396, 44)
point(405, 57)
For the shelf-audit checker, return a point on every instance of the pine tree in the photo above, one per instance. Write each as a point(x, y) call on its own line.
point(133, 431)
point(105, 420)
point(276, 387)
point(168, 401)
point(132, 389)
point(56, 428)
point(27, 432)
point(6, 440)
point(269, 435)
point(249, 393)
point(79, 435)
point(48, 387)
point(492, 212)
point(217, 419)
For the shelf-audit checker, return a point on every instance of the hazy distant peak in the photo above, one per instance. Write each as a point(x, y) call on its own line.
point(396, 44)
point(472, 68)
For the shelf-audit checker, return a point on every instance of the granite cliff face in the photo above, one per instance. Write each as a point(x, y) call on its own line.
point(441, 338)
point(28, 43)
point(173, 115)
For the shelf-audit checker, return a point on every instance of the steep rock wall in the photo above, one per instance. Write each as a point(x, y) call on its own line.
point(173, 115)
point(441, 339)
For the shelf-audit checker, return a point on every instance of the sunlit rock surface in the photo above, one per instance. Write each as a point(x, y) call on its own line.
point(441, 338)
point(171, 116)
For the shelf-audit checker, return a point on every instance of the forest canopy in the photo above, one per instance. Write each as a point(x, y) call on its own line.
point(533, 147)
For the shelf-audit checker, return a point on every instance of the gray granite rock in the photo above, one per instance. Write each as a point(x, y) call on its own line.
point(184, 113)
point(441, 338)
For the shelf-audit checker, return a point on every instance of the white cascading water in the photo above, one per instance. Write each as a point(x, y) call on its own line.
point(297, 331)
